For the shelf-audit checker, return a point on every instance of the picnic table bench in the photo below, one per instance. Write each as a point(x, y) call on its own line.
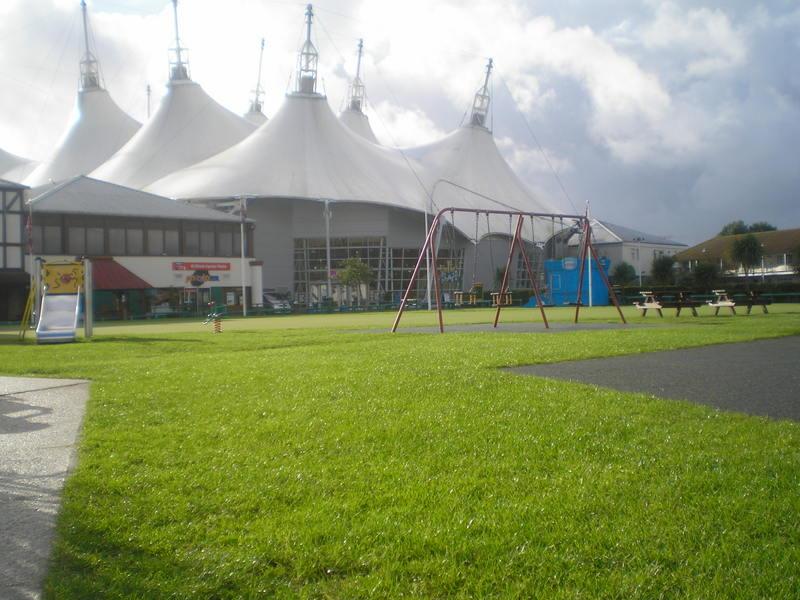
point(680, 301)
point(650, 302)
point(721, 300)
point(753, 299)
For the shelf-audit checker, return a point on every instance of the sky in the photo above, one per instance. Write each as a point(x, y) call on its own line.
point(672, 117)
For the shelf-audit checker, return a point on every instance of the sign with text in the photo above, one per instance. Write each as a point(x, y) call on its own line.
point(201, 266)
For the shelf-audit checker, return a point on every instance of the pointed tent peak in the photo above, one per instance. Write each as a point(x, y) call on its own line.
point(178, 62)
point(356, 94)
point(90, 68)
point(258, 92)
point(306, 82)
point(480, 105)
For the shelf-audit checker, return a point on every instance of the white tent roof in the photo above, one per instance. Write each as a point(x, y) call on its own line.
point(99, 128)
point(358, 122)
point(187, 127)
point(15, 168)
point(470, 158)
point(302, 152)
point(255, 117)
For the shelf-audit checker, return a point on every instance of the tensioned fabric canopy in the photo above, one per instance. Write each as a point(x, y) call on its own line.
point(304, 151)
point(358, 122)
point(99, 128)
point(469, 157)
point(188, 126)
point(15, 168)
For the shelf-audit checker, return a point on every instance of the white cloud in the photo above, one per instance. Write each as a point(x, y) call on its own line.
point(526, 160)
point(707, 35)
point(403, 127)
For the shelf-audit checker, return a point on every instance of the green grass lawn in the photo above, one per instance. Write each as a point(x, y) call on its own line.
point(294, 457)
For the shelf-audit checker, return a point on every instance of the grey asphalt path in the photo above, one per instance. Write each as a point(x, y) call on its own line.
point(517, 327)
point(757, 378)
point(39, 424)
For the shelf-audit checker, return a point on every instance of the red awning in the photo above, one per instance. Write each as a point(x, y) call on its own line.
point(108, 274)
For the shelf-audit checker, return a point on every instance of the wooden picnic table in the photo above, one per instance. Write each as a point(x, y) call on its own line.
point(721, 300)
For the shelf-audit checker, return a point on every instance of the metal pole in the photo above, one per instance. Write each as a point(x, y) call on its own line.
point(602, 272)
point(504, 284)
point(639, 259)
point(589, 267)
point(436, 283)
point(242, 213)
point(534, 284)
point(327, 211)
point(428, 239)
point(582, 263)
point(428, 268)
point(88, 299)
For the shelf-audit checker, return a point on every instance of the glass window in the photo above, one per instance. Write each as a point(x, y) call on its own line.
point(225, 243)
point(134, 240)
point(52, 239)
point(207, 243)
point(116, 241)
point(191, 240)
point(155, 242)
point(36, 233)
point(13, 257)
point(95, 242)
point(76, 240)
point(171, 242)
point(13, 229)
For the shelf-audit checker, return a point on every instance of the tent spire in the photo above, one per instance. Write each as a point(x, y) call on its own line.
point(307, 68)
point(357, 93)
point(255, 105)
point(90, 68)
point(178, 67)
point(480, 106)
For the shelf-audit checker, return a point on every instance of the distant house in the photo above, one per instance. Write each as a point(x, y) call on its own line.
point(620, 244)
point(779, 253)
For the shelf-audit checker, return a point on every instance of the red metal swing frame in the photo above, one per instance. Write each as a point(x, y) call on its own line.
point(517, 241)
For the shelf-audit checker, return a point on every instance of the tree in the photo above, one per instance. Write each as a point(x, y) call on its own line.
point(355, 272)
point(623, 274)
point(734, 228)
point(705, 275)
point(761, 226)
point(796, 260)
point(661, 270)
point(747, 252)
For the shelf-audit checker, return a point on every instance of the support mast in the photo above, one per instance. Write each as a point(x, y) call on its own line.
point(309, 57)
point(179, 67)
point(480, 106)
point(90, 68)
point(255, 105)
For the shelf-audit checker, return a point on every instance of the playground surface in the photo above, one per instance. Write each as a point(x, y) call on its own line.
point(297, 457)
point(39, 424)
point(757, 378)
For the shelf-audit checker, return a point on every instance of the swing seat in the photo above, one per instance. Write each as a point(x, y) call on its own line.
point(502, 299)
point(458, 298)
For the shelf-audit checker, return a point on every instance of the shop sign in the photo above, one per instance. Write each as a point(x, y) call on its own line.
point(201, 266)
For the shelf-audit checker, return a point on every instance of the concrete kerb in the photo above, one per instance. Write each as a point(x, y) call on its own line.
point(40, 421)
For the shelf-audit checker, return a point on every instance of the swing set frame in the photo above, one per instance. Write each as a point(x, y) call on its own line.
point(587, 247)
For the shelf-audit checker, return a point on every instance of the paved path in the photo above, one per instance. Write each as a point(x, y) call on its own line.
point(758, 378)
point(39, 424)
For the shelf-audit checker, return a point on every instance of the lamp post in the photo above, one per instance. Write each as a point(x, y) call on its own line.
point(243, 217)
point(638, 241)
